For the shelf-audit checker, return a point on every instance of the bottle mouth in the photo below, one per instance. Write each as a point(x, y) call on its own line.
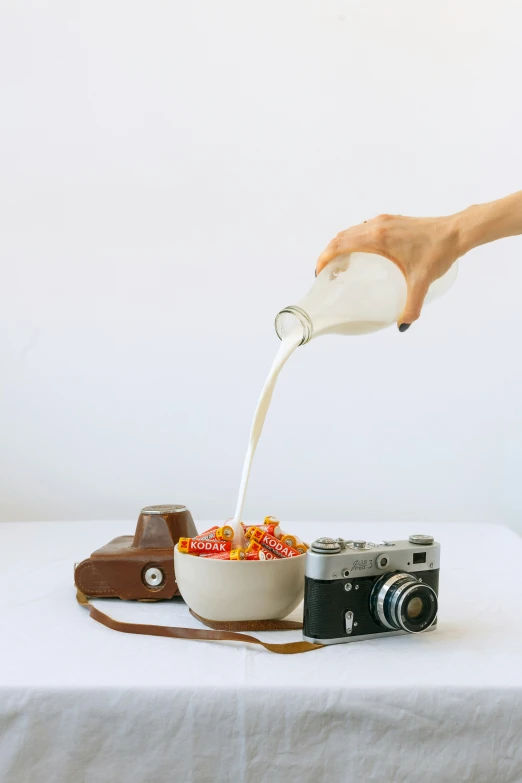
point(301, 315)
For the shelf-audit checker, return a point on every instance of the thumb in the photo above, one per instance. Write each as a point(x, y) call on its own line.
point(417, 290)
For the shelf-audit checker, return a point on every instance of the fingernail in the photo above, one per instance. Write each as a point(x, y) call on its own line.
point(316, 272)
point(403, 327)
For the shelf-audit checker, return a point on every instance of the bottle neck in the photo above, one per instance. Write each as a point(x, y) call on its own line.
point(292, 318)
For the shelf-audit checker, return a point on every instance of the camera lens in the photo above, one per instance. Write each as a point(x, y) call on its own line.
point(414, 608)
point(398, 601)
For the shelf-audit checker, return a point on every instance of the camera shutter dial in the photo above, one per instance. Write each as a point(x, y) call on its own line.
point(359, 545)
point(326, 546)
point(421, 540)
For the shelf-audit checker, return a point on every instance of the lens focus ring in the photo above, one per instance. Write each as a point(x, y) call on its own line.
point(399, 601)
point(416, 609)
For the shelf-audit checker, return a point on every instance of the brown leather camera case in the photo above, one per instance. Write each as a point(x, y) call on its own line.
point(141, 566)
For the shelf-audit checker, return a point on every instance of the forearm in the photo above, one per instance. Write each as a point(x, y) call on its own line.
point(483, 223)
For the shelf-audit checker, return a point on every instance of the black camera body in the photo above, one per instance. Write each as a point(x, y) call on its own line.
point(356, 590)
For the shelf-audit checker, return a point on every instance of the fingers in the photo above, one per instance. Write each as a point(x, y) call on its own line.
point(346, 242)
point(331, 252)
point(417, 290)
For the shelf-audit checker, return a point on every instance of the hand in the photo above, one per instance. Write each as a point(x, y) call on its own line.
point(423, 248)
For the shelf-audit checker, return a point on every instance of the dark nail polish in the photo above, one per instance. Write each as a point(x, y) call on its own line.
point(403, 327)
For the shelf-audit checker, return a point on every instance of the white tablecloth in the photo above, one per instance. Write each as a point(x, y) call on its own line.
point(81, 703)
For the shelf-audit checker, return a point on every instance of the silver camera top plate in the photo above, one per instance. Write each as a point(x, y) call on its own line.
point(352, 561)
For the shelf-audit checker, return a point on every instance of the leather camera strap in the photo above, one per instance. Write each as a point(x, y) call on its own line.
point(286, 648)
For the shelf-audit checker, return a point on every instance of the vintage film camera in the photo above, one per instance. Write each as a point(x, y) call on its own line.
point(357, 590)
point(138, 567)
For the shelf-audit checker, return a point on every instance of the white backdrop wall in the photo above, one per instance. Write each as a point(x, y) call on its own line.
point(169, 173)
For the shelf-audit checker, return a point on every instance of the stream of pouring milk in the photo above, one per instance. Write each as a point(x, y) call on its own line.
point(286, 349)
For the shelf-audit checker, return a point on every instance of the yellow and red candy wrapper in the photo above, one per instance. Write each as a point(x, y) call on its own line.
point(266, 554)
point(234, 554)
point(264, 542)
point(260, 554)
point(224, 533)
point(273, 544)
point(294, 542)
point(194, 546)
point(272, 528)
point(289, 540)
point(252, 551)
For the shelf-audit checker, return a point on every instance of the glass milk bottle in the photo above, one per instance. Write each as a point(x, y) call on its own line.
point(356, 293)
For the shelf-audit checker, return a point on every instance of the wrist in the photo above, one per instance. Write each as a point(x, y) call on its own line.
point(483, 223)
point(468, 228)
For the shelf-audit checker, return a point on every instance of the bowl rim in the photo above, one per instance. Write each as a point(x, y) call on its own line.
point(240, 562)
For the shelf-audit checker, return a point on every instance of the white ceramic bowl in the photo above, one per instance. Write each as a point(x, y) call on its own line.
point(240, 590)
